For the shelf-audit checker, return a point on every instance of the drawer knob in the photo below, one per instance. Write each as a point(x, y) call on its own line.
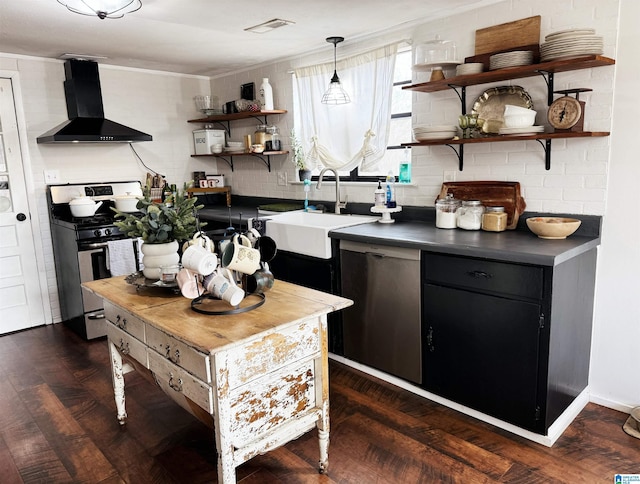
point(124, 347)
point(121, 322)
point(176, 385)
point(175, 357)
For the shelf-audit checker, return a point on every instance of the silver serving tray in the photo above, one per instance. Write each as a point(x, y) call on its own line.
point(137, 279)
point(490, 105)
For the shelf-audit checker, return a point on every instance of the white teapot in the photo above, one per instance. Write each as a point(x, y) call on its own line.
point(83, 207)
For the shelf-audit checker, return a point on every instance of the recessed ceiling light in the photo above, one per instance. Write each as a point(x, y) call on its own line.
point(269, 26)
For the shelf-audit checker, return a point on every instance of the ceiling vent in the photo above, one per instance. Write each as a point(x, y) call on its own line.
point(275, 23)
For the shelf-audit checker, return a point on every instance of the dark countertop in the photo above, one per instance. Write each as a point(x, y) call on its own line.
point(518, 245)
point(509, 246)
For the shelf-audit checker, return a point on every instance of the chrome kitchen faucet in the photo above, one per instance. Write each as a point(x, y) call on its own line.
point(339, 204)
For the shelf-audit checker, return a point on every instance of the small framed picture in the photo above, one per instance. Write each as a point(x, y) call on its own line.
point(248, 91)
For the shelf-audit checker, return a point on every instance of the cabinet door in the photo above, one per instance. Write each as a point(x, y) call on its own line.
point(483, 352)
point(320, 274)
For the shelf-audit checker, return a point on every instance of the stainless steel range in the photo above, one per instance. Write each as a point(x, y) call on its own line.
point(81, 250)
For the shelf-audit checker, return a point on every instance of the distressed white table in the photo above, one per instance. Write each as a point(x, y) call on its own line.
point(259, 379)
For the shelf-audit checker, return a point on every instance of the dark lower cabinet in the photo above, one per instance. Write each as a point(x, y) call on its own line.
point(320, 274)
point(509, 340)
point(483, 351)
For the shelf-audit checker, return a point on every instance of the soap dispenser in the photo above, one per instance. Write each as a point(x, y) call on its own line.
point(379, 195)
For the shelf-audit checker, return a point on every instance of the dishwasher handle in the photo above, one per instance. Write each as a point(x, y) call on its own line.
point(380, 250)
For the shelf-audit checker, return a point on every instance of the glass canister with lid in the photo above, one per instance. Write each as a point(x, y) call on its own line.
point(260, 134)
point(273, 139)
point(446, 212)
point(469, 215)
point(494, 219)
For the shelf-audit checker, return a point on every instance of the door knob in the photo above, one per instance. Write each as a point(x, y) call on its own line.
point(21, 217)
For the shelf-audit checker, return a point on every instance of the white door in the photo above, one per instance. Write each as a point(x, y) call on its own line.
point(20, 297)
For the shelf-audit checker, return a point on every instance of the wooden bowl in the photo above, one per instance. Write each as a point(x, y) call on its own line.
point(553, 227)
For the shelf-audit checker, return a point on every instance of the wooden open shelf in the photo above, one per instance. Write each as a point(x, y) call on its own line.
point(550, 67)
point(196, 190)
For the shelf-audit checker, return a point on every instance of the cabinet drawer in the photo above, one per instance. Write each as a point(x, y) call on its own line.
point(273, 351)
point(127, 344)
point(261, 405)
point(498, 277)
point(179, 353)
point(180, 382)
point(124, 320)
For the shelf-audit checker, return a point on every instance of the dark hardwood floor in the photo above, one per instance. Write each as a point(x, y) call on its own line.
point(57, 424)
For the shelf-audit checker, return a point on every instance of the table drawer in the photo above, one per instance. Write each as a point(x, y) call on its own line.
point(181, 382)
point(179, 353)
point(273, 351)
point(124, 320)
point(261, 405)
point(127, 344)
point(498, 277)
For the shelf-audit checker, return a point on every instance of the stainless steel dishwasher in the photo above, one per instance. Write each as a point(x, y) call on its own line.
point(382, 329)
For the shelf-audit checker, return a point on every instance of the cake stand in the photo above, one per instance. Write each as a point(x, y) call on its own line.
point(386, 213)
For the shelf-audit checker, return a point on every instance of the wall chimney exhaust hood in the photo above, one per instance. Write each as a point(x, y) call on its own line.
point(87, 123)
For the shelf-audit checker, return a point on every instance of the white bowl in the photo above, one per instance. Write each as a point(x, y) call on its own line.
point(513, 109)
point(520, 120)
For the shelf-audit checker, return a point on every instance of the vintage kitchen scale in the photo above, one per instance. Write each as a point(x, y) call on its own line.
point(566, 114)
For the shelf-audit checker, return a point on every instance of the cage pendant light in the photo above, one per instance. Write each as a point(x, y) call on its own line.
point(335, 94)
point(102, 8)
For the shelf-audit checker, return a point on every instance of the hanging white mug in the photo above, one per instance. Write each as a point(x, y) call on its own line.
point(222, 285)
point(240, 256)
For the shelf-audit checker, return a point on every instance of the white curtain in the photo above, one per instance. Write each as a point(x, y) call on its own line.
point(347, 135)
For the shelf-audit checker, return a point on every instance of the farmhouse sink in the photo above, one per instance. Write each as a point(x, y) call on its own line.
point(307, 233)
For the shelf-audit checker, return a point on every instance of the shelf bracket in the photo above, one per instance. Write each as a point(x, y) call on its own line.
point(462, 95)
point(548, 79)
point(225, 125)
point(460, 154)
point(267, 162)
point(228, 161)
point(546, 146)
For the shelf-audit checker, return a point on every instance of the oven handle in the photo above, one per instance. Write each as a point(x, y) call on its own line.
point(98, 246)
point(93, 245)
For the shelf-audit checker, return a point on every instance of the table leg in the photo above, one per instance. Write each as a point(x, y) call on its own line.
point(323, 421)
point(117, 374)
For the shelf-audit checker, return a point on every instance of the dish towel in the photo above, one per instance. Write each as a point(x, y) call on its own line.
point(122, 258)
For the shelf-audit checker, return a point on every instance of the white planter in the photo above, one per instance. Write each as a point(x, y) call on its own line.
point(156, 256)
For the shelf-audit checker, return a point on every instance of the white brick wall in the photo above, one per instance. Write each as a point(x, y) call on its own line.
point(520, 161)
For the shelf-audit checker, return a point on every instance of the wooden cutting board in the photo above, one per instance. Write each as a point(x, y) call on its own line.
point(508, 36)
point(492, 194)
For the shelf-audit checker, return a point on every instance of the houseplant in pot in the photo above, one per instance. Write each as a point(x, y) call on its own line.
point(298, 158)
point(161, 227)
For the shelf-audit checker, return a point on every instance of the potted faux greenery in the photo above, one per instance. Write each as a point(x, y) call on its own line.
point(161, 226)
point(298, 157)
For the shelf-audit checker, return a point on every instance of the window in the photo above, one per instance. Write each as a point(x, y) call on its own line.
point(400, 128)
point(361, 139)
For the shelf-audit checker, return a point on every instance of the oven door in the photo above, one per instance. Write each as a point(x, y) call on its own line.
point(93, 262)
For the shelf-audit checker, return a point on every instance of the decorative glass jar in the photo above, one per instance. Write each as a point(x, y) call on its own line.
point(494, 219)
point(469, 215)
point(273, 139)
point(446, 212)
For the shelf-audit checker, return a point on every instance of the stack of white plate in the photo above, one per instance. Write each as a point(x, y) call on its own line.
point(469, 68)
point(521, 131)
point(234, 146)
point(423, 132)
point(571, 43)
point(510, 59)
